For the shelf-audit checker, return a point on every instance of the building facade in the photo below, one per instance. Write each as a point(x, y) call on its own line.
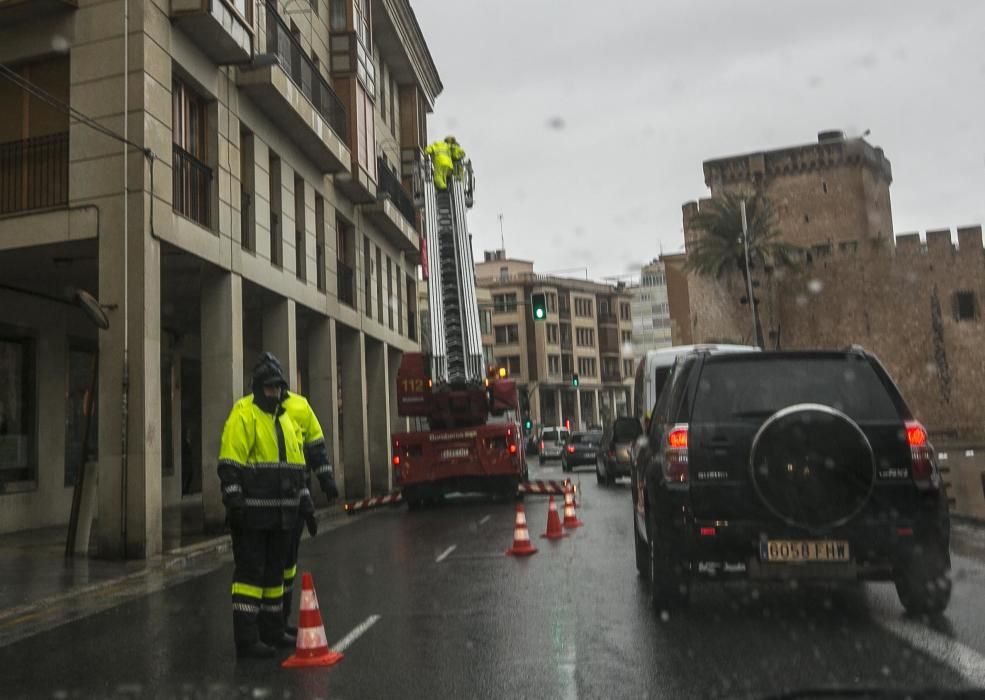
point(587, 334)
point(650, 310)
point(915, 301)
point(260, 202)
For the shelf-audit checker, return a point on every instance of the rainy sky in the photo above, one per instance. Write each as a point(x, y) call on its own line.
point(588, 122)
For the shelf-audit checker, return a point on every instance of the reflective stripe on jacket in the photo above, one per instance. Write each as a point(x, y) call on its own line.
point(261, 467)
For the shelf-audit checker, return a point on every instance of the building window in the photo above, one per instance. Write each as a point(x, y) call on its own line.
point(552, 303)
point(586, 366)
point(345, 251)
point(300, 254)
point(190, 173)
point(389, 291)
point(320, 243)
point(583, 308)
point(78, 384)
point(336, 15)
point(393, 106)
point(627, 368)
point(379, 285)
point(276, 234)
point(507, 335)
point(627, 337)
point(553, 334)
point(554, 365)
point(247, 183)
point(625, 311)
point(585, 337)
point(511, 363)
point(504, 303)
point(367, 277)
point(18, 433)
point(383, 91)
point(965, 306)
point(485, 321)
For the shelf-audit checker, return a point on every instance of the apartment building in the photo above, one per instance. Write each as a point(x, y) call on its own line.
point(260, 202)
point(587, 333)
point(650, 310)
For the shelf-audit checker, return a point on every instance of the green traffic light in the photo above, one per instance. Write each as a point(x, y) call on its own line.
point(539, 313)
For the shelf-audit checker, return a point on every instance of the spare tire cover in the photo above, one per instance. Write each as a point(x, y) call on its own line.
point(812, 466)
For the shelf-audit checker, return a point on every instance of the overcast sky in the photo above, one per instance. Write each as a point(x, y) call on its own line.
point(587, 122)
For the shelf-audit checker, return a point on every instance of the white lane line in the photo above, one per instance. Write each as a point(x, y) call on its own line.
point(963, 659)
point(485, 520)
point(356, 633)
point(444, 555)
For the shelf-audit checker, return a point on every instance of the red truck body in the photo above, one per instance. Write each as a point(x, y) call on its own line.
point(473, 440)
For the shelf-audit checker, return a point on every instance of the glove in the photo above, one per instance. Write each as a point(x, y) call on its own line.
point(312, 522)
point(330, 489)
point(234, 518)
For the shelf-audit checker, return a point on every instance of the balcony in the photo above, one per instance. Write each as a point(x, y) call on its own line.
point(289, 89)
point(221, 28)
point(14, 11)
point(34, 173)
point(564, 313)
point(191, 186)
point(611, 377)
point(394, 211)
point(607, 318)
point(347, 284)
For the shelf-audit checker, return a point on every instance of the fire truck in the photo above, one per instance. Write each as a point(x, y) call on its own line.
point(469, 437)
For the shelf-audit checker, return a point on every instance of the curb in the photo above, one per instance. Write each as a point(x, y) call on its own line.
point(175, 559)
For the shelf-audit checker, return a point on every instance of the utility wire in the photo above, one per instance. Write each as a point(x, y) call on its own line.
point(44, 96)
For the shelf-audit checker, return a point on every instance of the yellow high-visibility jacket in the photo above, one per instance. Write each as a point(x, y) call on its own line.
point(261, 467)
point(311, 437)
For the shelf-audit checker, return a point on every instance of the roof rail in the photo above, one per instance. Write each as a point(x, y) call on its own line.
point(856, 348)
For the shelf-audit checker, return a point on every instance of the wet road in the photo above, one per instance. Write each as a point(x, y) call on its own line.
point(439, 611)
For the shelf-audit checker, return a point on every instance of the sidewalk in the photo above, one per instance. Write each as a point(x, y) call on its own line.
point(34, 573)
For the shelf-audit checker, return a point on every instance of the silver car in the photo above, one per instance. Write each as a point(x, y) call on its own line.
point(552, 441)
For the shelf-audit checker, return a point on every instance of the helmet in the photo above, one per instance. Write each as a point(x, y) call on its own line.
point(268, 371)
point(450, 139)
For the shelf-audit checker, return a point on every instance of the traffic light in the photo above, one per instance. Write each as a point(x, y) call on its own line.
point(538, 306)
point(528, 425)
point(574, 380)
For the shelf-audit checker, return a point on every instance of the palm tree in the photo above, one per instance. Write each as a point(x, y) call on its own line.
point(720, 249)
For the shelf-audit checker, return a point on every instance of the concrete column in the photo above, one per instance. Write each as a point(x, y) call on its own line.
point(535, 412)
point(280, 336)
point(378, 413)
point(577, 422)
point(222, 377)
point(595, 407)
point(558, 416)
point(130, 518)
point(355, 445)
point(323, 392)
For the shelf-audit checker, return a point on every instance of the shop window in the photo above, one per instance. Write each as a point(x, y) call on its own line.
point(18, 396)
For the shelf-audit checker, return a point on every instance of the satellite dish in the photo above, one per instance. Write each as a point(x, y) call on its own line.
point(92, 307)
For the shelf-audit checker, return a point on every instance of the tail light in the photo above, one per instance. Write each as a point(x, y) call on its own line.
point(512, 448)
point(675, 464)
point(541, 445)
point(921, 456)
point(571, 449)
point(396, 460)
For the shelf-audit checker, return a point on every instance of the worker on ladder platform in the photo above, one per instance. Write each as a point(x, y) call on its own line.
point(446, 156)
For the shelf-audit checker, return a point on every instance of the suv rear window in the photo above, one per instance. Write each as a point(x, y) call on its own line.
point(626, 430)
point(582, 438)
point(756, 388)
point(549, 436)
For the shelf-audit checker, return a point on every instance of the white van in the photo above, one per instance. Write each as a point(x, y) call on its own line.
point(655, 367)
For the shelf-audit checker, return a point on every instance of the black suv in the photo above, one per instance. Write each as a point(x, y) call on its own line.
point(782, 465)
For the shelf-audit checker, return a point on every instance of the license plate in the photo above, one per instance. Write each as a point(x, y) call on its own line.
point(590, 453)
point(456, 453)
point(805, 550)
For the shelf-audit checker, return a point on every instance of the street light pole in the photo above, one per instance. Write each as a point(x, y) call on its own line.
point(752, 301)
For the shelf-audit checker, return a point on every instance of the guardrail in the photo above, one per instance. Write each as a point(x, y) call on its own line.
point(34, 173)
point(303, 73)
point(192, 186)
point(347, 289)
point(389, 185)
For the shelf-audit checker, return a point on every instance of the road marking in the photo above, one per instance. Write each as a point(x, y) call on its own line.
point(356, 633)
point(444, 554)
point(485, 520)
point(963, 659)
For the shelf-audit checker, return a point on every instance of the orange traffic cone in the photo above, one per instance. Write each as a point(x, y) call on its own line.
point(554, 531)
point(312, 648)
point(570, 519)
point(521, 536)
point(574, 491)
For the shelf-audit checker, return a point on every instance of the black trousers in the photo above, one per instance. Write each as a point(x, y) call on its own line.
point(291, 567)
point(258, 584)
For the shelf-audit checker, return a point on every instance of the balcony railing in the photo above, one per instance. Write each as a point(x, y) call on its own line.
point(611, 377)
point(34, 173)
point(564, 312)
point(347, 291)
point(192, 186)
point(608, 318)
point(302, 71)
point(389, 185)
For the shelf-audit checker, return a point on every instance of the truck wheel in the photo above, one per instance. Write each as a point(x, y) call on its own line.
point(598, 476)
point(670, 588)
point(923, 583)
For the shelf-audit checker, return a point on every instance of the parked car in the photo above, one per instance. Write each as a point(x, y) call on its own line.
point(615, 454)
point(581, 449)
point(552, 443)
point(781, 465)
